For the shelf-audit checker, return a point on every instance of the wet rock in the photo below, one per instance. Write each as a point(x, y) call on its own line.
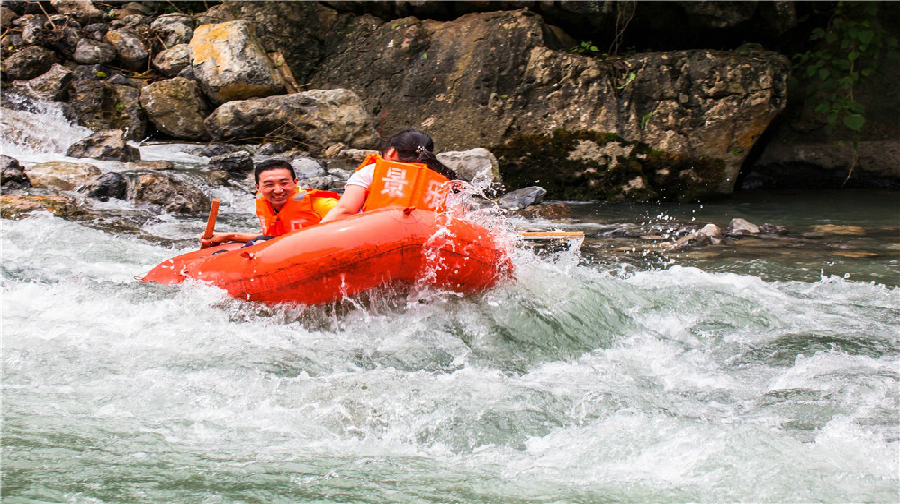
point(768, 228)
point(239, 162)
point(340, 174)
point(130, 49)
point(169, 193)
point(17, 206)
point(12, 175)
point(833, 229)
point(173, 60)
point(740, 227)
point(547, 211)
point(159, 165)
point(272, 148)
point(472, 163)
point(62, 176)
point(102, 105)
point(230, 63)
point(108, 185)
point(173, 29)
point(217, 149)
point(94, 72)
point(90, 52)
point(105, 145)
point(33, 30)
point(53, 85)
point(177, 107)
point(315, 118)
point(521, 198)
point(710, 231)
point(82, 10)
point(28, 63)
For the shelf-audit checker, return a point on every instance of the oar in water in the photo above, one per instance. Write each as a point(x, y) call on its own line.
point(210, 223)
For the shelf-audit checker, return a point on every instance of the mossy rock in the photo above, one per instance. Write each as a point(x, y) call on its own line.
point(588, 165)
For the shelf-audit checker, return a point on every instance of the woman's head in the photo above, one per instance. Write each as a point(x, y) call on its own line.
point(415, 146)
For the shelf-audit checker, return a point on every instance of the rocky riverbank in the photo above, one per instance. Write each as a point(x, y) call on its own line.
point(505, 88)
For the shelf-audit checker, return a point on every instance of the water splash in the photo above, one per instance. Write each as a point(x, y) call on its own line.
point(36, 130)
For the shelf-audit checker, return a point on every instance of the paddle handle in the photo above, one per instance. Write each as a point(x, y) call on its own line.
point(551, 234)
point(211, 222)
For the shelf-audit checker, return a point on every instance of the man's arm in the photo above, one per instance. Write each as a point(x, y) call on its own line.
point(219, 238)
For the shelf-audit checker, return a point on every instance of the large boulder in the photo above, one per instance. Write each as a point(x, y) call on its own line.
point(102, 105)
point(105, 145)
point(177, 107)
point(316, 119)
point(170, 194)
point(17, 206)
point(62, 176)
point(483, 79)
point(82, 10)
point(230, 63)
point(28, 63)
point(52, 85)
point(109, 185)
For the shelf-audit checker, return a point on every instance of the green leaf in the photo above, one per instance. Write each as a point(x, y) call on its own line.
point(854, 121)
point(824, 73)
point(817, 34)
point(102, 75)
point(831, 37)
point(866, 36)
point(425, 55)
point(867, 71)
point(853, 55)
point(594, 48)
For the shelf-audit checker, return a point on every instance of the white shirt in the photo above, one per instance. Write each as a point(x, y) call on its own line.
point(363, 177)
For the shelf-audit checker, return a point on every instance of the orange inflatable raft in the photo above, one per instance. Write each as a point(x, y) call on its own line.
point(326, 262)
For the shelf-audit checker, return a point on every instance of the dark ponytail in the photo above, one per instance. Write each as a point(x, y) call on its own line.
point(414, 146)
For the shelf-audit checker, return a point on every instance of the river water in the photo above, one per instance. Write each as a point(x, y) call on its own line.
point(758, 372)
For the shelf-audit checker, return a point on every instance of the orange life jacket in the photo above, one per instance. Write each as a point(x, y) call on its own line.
point(406, 185)
point(297, 213)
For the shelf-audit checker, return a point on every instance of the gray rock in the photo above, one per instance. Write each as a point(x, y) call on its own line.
point(177, 107)
point(230, 63)
point(95, 31)
point(53, 85)
point(173, 29)
point(239, 162)
point(62, 176)
point(316, 119)
point(306, 167)
point(710, 231)
point(101, 105)
point(129, 47)
point(521, 198)
point(170, 194)
point(12, 175)
point(217, 149)
point(173, 60)
point(472, 163)
point(90, 51)
point(323, 182)
point(105, 145)
point(109, 185)
point(28, 63)
point(741, 227)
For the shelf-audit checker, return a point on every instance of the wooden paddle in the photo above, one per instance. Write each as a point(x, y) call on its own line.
point(210, 223)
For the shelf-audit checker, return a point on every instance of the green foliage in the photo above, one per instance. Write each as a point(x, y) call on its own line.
point(646, 119)
point(848, 50)
point(629, 78)
point(586, 46)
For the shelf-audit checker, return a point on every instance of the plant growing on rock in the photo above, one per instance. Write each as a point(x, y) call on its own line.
point(849, 49)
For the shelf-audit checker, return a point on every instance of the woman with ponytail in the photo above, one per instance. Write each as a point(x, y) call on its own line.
point(406, 174)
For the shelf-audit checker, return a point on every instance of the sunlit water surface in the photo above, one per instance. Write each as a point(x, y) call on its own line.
point(588, 378)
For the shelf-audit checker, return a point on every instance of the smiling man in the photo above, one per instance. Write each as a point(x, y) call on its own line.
point(281, 206)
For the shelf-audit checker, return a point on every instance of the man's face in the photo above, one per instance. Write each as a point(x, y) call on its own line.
point(276, 186)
